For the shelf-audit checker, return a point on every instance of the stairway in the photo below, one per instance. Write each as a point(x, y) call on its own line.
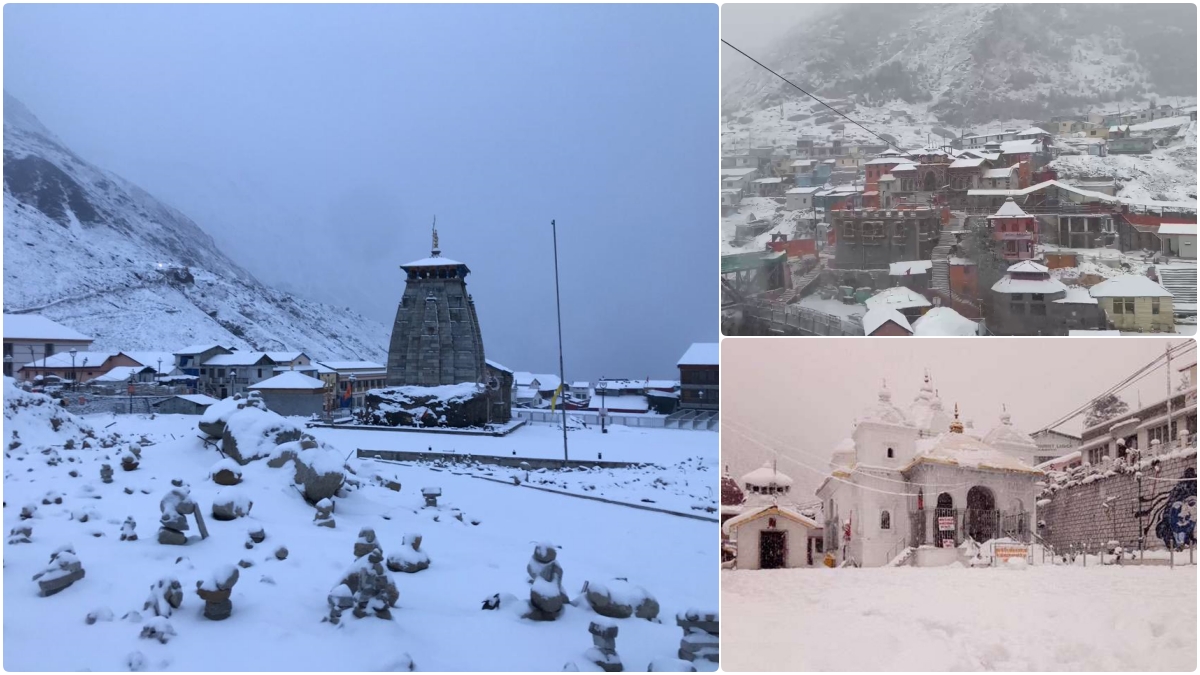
point(902, 559)
point(800, 284)
point(1181, 281)
point(941, 262)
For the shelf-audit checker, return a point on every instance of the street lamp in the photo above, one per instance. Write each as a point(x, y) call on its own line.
point(158, 373)
point(353, 390)
point(602, 386)
point(73, 377)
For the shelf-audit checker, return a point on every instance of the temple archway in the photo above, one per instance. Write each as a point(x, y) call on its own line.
point(981, 514)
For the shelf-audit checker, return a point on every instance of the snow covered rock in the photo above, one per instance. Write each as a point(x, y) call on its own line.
point(451, 405)
point(166, 595)
point(231, 504)
point(410, 558)
point(546, 595)
point(20, 534)
point(129, 461)
point(175, 507)
point(372, 589)
point(366, 542)
point(37, 419)
point(215, 593)
point(619, 599)
point(129, 530)
point(701, 635)
point(604, 650)
point(319, 472)
point(226, 472)
point(324, 515)
point(251, 433)
point(99, 614)
point(158, 628)
point(671, 666)
point(106, 473)
point(64, 569)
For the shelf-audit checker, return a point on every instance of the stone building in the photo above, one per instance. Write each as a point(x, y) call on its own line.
point(436, 338)
point(918, 478)
point(700, 377)
point(872, 239)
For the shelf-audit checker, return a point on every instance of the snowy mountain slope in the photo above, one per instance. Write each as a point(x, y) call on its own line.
point(977, 62)
point(97, 253)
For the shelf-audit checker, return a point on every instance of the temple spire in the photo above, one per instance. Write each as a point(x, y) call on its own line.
point(436, 251)
point(956, 427)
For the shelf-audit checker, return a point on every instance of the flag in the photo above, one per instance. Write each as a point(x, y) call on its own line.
point(554, 398)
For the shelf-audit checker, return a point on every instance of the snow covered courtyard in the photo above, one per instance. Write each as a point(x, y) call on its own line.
point(278, 605)
point(943, 619)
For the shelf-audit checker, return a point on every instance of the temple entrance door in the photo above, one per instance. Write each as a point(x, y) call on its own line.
point(944, 515)
point(772, 549)
point(981, 514)
point(930, 182)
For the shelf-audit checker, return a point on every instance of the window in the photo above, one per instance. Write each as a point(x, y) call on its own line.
point(1038, 297)
point(204, 371)
point(220, 372)
point(1154, 305)
point(1037, 310)
point(1017, 296)
point(1122, 305)
point(1017, 308)
point(260, 372)
point(49, 349)
point(885, 520)
point(891, 453)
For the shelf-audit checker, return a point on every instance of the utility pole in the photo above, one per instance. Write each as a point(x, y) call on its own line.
point(1170, 436)
point(561, 373)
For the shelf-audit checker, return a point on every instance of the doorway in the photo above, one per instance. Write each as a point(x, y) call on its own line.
point(772, 549)
point(981, 514)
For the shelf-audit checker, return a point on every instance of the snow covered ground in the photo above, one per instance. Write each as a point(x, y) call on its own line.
point(278, 605)
point(942, 619)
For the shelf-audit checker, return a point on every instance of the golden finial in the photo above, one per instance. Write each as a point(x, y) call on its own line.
point(956, 427)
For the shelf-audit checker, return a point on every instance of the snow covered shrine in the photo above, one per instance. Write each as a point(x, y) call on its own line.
point(763, 528)
point(437, 373)
point(919, 478)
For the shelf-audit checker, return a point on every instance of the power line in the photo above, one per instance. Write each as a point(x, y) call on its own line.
point(815, 98)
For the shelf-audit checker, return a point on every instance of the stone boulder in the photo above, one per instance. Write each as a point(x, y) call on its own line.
point(226, 472)
point(215, 593)
point(410, 559)
point(320, 472)
point(619, 599)
point(458, 405)
point(231, 504)
point(251, 433)
point(64, 569)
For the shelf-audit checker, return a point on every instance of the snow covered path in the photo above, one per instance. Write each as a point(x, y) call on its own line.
point(278, 605)
point(940, 619)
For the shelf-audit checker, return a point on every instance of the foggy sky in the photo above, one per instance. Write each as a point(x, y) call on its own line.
point(755, 27)
point(316, 143)
point(807, 391)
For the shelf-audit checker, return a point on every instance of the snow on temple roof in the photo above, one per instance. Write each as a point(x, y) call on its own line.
point(432, 262)
point(905, 167)
point(1006, 433)
point(37, 327)
point(894, 159)
point(1011, 285)
point(1009, 209)
point(1129, 286)
point(897, 297)
point(290, 380)
point(767, 475)
point(966, 163)
point(1028, 267)
point(884, 411)
point(899, 269)
point(701, 354)
point(497, 366)
point(944, 321)
point(999, 173)
point(877, 316)
point(1077, 295)
point(769, 510)
point(968, 452)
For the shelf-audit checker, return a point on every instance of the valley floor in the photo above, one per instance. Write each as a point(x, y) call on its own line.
point(278, 605)
point(940, 619)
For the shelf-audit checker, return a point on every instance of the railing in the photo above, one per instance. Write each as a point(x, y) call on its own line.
point(896, 549)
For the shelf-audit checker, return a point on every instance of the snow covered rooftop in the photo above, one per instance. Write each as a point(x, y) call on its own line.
point(37, 327)
point(63, 360)
point(353, 365)
point(634, 402)
point(237, 359)
point(767, 474)
point(434, 261)
point(877, 316)
point(1044, 286)
point(1129, 286)
point(899, 269)
point(284, 357)
point(192, 350)
point(1077, 295)
point(968, 452)
point(120, 373)
point(765, 511)
point(887, 160)
point(1009, 209)
point(199, 399)
point(1034, 130)
point(802, 191)
point(999, 173)
point(770, 181)
point(802, 162)
point(290, 380)
point(1028, 267)
point(965, 163)
point(1177, 228)
point(498, 366)
point(152, 359)
point(942, 321)
point(737, 173)
point(1020, 147)
point(905, 167)
point(897, 297)
point(701, 354)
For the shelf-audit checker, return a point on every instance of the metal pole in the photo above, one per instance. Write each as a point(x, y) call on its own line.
point(1169, 422)
point(561, 371)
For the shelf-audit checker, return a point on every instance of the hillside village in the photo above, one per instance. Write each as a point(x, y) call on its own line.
point(1078, 224)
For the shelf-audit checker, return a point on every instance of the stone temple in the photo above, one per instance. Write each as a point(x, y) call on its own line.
point(436, 338)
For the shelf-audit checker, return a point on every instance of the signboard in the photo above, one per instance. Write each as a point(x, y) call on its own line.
point(1005, 552)
point(946, 523)
point(947, 543)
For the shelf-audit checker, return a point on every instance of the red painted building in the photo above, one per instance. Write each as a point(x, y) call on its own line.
point(1015, 231)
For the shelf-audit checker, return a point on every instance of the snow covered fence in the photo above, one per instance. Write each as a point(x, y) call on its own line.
point(590, 418)
point(511, 462)
point(120, 405)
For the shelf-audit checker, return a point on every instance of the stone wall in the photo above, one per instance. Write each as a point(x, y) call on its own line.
point(1076, 514)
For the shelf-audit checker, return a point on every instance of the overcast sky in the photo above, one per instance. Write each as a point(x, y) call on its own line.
point(807, 391)
point(754, 27)
point(317, 142)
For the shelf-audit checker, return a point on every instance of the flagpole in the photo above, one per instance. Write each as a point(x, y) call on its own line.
point(561, 373)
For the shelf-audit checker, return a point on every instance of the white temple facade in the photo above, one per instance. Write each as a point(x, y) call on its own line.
point(918, 477)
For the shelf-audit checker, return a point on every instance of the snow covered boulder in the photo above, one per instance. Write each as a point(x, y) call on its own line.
point(619, 599)
point(320, 472)
point(666, 665)
point(215, 592)
point(64, 569)
point(37, 419)
point(372, 590)
point(158, 628)
point(20, 534)
point(212, 422)
point(451, 405)
point(231, 504)
point(166, 595)
point(546, 595)
point(410, 558)
point(252, 433)
point(226, 472)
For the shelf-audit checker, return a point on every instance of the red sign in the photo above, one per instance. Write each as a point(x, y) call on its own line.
point(1005, 552)
point(946, 523)
point(131, 389)
point(947, 543)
